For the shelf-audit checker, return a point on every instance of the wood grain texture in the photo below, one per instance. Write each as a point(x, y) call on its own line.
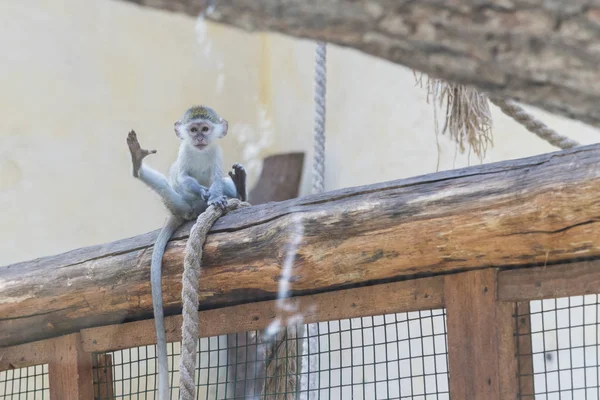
point(515, 360)
point(420, 294)
point(519, 213)
point(508, 368)
point(70, 370)
point(538, 51)
point(26, 355)
point(551, 281)
point(524, 349)
point(279, 178)
point(103, 377)
point(473, 351)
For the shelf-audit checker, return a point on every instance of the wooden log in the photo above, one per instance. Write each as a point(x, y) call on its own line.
point(540, 52)
point(541, 210)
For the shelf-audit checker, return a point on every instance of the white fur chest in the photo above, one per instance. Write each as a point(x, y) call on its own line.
point(200, 165)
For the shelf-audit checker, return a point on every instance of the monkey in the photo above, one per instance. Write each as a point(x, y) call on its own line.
point(194, 183)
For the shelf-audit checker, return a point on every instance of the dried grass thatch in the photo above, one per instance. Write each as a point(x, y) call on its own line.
point(467, 116)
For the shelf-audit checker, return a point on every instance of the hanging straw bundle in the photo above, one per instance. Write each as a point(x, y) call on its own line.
point(467, 117)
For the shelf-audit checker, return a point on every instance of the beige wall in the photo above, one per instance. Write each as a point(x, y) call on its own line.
point(76, 76)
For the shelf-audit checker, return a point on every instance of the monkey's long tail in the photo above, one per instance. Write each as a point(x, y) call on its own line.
point(159, 318)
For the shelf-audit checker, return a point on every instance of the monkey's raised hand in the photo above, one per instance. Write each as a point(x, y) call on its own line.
point(137, 153)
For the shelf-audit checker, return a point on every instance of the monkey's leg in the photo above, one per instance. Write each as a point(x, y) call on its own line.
point(191, 187)
point(238, 176)
point(172, 200)
point(137, 153)
point(228, 187)
point(155, 180)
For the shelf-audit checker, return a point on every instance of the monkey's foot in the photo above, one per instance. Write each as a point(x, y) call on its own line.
point(219, 201)
point(137, 153)
point(238, 176)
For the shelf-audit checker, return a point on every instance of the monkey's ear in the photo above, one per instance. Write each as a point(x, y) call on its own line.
point(224, 128)
point(177, 127)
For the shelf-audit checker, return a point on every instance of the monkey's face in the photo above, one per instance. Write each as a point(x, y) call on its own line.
point(200, 133)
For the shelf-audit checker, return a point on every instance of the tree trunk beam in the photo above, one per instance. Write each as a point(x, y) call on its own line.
point(541, 210)
point(543, 53)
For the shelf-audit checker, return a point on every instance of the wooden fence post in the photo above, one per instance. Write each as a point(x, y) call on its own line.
point(70, 370)
point(481, 338)
point(103, 376)
point(525, 351)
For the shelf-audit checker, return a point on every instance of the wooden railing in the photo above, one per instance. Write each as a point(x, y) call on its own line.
point(477, 241)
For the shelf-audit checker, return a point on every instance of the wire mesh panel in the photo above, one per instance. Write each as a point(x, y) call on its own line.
point(394, 356)
point(25, 383)
point(559, 357)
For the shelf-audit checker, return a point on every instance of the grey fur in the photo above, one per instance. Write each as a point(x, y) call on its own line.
point(195, 182)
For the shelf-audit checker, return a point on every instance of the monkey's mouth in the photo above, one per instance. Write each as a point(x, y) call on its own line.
point(201, 146)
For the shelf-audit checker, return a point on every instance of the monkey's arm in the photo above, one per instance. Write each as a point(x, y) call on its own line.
point(153, 179)
point(218, 188)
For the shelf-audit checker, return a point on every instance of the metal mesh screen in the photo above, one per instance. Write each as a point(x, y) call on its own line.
point(558, 348)
point(25, 383)
point(394, 356)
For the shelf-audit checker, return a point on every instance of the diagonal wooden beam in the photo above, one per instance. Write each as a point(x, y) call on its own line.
point(539, 52)
point(540, 210)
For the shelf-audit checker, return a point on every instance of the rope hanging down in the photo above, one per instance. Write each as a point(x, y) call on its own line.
point(534, 125)
point(189, 294)
point(311, 341)
point(320, 111)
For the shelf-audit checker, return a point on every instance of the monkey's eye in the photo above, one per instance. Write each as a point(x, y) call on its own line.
point(205, 129)
point(194, 129)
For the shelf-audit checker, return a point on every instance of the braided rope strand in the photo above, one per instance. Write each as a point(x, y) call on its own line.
point(320, 112)
point(310, 343)
point(534, 125)
point(189, 294)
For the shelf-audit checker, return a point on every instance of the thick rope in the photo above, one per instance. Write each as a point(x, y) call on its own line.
point(310, 345)
point(534, 125)
point(320, 110)
point(189, 294)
